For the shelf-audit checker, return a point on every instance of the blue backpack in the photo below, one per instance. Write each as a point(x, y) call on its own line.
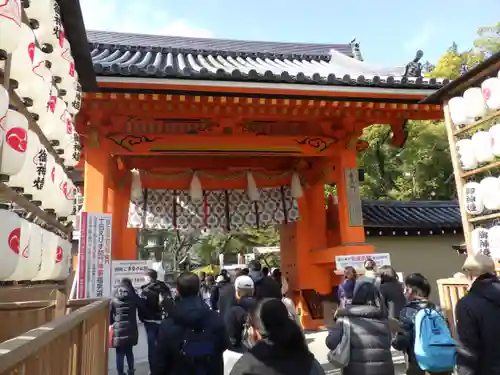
point(198, 350)
point(435, 349)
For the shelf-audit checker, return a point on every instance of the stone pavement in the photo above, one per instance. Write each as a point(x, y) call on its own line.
point(315, 340)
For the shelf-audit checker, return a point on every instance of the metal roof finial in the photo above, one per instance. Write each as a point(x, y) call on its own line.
point(356, 51)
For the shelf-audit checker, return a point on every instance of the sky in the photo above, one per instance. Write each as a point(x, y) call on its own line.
point(389, 31)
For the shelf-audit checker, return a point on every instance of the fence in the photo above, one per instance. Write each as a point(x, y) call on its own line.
point(73, 344)
point(450, 291)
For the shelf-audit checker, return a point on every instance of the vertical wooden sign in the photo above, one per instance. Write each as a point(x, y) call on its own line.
point(351, 179)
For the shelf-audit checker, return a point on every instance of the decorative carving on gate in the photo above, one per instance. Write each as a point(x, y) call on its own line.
point(274, 128)
point(169, 126)
point(128, 141)
point(319, 143)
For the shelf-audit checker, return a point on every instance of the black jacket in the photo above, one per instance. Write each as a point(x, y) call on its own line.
point(478, 328)
point(394, 298)
point(265, 287)
point(405, 339)
point(235, 320)
point(123, 317)
point(223, 297)
point(370, 340)
point(151, 293)
point(265, 358)
point(188, 313)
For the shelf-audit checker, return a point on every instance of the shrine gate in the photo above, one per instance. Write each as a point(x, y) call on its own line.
point(257, 127)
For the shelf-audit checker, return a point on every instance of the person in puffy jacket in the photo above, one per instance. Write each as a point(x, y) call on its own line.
point(123, 321)
point(280, 347)
point(477, 319)
point(370, 333)
point(265, 287)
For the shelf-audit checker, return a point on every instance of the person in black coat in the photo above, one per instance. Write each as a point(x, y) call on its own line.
point(280, 346)
point(123, 320)
point(189, 318)
point(265, 287)
point(237, 315)
point(370, 333)
point(392, 291)
point(157, 301)
point(222, 297)
point(477, 315)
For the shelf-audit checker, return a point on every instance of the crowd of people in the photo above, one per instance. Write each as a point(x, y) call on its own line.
point(249, 312)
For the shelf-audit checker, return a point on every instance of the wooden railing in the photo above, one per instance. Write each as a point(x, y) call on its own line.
point(450, 291)
point(73, 344)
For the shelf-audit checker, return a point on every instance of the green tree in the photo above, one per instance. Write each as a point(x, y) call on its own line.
point(488, 40)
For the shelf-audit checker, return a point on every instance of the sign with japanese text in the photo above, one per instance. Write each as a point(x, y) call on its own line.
point(357, 261)
point(130, 269)
point(94, 256)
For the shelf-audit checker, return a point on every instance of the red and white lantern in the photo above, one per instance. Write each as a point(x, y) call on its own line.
point(72, 152)
point(10, 236)
point(49, 250)
point(15, 145)
point(31, 255)
point(21, 67)
point(10, 25)
point(75, 102)
point(61, 259)
point(41, 84)
point(4, 106)
point(53, 123)
point(45, 19)
point(68, 191)
point(491, 93)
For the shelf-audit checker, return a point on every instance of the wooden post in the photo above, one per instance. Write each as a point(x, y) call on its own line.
point(459, 181)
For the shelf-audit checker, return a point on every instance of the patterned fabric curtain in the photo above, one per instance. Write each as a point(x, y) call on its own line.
point(219, 209)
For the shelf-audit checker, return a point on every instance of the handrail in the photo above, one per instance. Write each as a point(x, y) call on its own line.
point(7, 306)
point(15, 351)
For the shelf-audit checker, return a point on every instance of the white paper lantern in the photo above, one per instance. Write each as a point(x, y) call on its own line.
point(10, 236)
point(45, 19)
point(491, 93)
point(53, 195)
point(490, 193)
point(63, 65)
point(475, 105)
point(21, 67)
point(4, 106)
point(49, 254)
point(495, 139)
point(23, 181)
point(473, 198)
point(467, 157)
point(53, 122)
point(31, 257)
point(41, 84)
point(482, 144)
point(458, 115)
point(494, 237)
point(13, 150)
point(10, 25)
point(72, 152)
point(62, 260)
point(75, 102)
point(68, 191)
point(480, 241)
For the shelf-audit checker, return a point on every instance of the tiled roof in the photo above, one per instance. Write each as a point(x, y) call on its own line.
point(412, 215)
point(199, 58)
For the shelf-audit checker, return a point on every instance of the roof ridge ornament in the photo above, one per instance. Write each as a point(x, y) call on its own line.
point(356, 51)
point(414, 68)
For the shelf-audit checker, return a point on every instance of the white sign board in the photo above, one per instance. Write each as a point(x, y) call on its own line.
point(130, 269)
point(357, 261)
point(94, 256)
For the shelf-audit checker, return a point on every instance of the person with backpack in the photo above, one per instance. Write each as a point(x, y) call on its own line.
point(157, 300)
point(280, 347)
point(123, 323)
point(237, 316)
point(265, 287)
point(477, 315)
point(368, 337)
point(424, 335)
point(192, 339)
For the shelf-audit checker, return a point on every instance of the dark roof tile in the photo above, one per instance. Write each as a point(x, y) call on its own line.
point(219, 59)
point(411, 215)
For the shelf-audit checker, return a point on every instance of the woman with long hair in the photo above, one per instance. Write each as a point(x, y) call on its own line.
point(280, 346)
point(370, 335)
point(392, 291)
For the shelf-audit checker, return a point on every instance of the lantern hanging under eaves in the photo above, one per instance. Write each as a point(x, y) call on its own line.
point(63, 65)
point(10, 24)
point(490, 192)
point(494, 237)
point(45, 19)
point(67, 189)
point(4, 106)
point(473, 198)
point(53, 195)
point(495, 139)
point(75, 102)
point(41, 84)
point(61, 259)
point(49, 252)
point(15, 145)
point(458, 114)
point(54, 121)
point(23, 181)
point(466, 154)
point(21, 66)
point(480, 241)
point(30, 252)
point(72, 152)
point(482, 144)
point(10, 238)
point(491, 93)
point(475, 104)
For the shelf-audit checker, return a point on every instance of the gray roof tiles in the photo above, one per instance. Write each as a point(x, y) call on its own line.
point(219, 59)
